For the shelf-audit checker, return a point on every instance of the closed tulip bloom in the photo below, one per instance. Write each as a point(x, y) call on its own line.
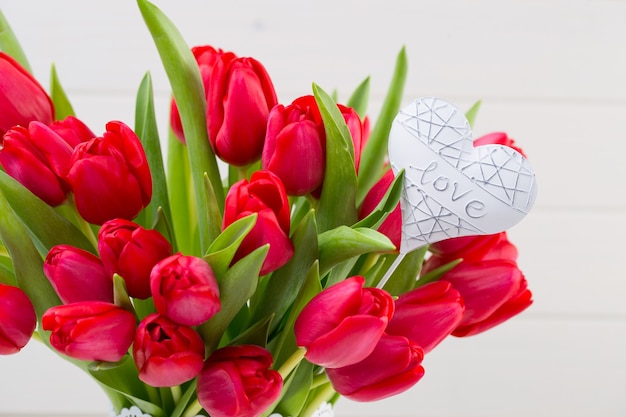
point(39, 159)
point(131, 251)
point(90, 330)
point(166, 353)
point(110, 176)
point(427, 314)
point(295, 146)
point(77, 275)
point(237, 381)
point(493, 291)
point(22, 98)
point(206, 57)
point(265, 195)
point(392, 368)
point(342, 325)
point(470, 249)
point(17, 319)
point(498, 138)
point(72, 130)
point(392, 225)
point(185, 290)
point(240, 95)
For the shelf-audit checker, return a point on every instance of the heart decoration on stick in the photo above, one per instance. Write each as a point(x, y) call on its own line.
point(452, 188)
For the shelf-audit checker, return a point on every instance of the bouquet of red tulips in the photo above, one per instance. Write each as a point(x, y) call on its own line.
point(252, 288)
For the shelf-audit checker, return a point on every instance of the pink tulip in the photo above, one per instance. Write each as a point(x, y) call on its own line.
point(22, 98)
point(342, 325)
point(427, 314)
point(392, 368)
point(185, 290)
point(392, 225)
point(110, 176)
point(17, 319)
point(90, 330)
point(131, 251)
point(264, 195)
point(237, 381)
point(166, 353)
point(77, 275)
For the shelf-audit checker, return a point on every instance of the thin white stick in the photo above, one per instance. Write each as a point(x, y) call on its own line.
point(392, 268)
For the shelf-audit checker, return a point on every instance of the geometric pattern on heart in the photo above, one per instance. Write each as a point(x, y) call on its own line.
point(452, 188)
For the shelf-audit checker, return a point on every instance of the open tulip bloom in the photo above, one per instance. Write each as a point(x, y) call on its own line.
point(259, 292)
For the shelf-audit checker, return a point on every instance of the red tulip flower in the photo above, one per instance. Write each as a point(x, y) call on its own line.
point(493, 291)
point(206, 57)
point(342, 325)
point(17, 319)
point(167, 353)
point(39, 159)
point(265, 195)
point(22, 98)
point(498, 138)
point(131, 251)
point(237, 381)
point(90, 330)
point(392, 368)
point(427, 314)
point(110, 176)
point(240, 95)
point(295, 146)
point(77, 275)
point(72, 130)
point(185, 290)
point(392, 225)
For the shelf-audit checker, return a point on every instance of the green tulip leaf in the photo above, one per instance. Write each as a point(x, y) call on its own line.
point(223, 249)
point(386, 205)
point(375, 151)
point(182, 403)
point(255, 334)
point(404, 277)
point(213, 211)
point(184, 76)
point(120, 294)
point(343, 243)
point(360, 98)
point(471, 114)
point(62, 105)
point(46, 226)
point(147, 130)
point(180, 190)
point(297, 392)
point(7, 276)
point(436, 273)
point(237, 285)
point(10, 45)
point(284, 284)
point(27, 262)
point(286, 343)
point(337, 203)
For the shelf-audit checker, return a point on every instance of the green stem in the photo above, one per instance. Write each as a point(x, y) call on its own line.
point(319, 380)
point(177, 392)
point(291, 363)
point(324, 393)
point(82, 225)
point(193, 409)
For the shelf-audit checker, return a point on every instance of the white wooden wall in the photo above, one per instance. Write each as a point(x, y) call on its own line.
point(552, 73)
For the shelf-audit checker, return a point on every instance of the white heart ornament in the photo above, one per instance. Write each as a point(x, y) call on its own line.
point(452, 188)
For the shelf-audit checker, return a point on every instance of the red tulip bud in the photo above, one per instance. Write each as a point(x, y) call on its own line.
point(17, 319)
